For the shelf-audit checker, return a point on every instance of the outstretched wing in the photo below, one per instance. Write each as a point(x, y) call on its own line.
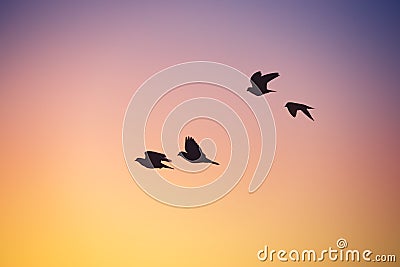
point(270, 76)
point(292, 110)
point(256, 77)
point(308, 114)
point(192, 148)
point(307, 107)
point(155, 156)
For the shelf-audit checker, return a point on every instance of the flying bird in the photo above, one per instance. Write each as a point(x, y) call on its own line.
point(154, 160)
point(259, 83)
point(193, 152)
point(294, 107)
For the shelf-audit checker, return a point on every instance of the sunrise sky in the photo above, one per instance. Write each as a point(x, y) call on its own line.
point(69, 69)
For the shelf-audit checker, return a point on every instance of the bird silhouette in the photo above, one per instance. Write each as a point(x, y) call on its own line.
point(193, 152)
point(294, 107)
point(153, 160)
point(259, 83)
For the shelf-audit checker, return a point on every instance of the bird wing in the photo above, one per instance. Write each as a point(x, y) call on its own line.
point(292, 111)
point(256, 77)
point(192, 148)
point(270, 76)
point(307, 106)
point(308, 114)
point(152, 155)
point(254, 89)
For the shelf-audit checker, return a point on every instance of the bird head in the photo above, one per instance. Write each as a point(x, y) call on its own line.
point(180, 154)
point(138, 159)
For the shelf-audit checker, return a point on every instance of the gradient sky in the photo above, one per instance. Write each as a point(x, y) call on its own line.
point(68, 71)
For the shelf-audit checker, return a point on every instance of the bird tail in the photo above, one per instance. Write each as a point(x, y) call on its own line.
point(165, 166)
point(213, 162)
